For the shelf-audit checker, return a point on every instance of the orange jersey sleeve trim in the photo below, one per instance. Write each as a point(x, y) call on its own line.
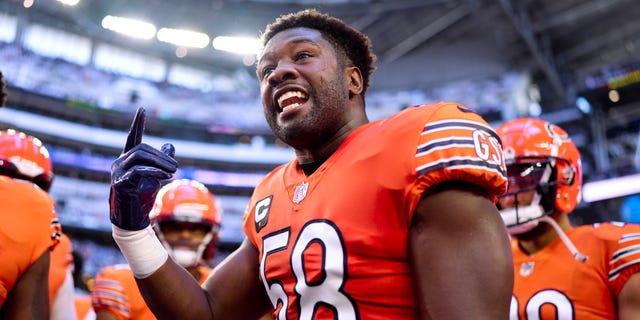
point(458, 144)
point(109, 294)
point(625, 260)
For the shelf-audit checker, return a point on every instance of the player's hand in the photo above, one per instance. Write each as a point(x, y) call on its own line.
point(136, 177)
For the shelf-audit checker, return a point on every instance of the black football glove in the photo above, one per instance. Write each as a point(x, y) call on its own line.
point(136, 177)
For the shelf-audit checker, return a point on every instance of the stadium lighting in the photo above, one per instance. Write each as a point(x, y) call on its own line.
point(130, 27)
point(241, 45)
point(583, 105)
point(69, 2)
point(614, 95)
point(611, 188)
point(184, 38)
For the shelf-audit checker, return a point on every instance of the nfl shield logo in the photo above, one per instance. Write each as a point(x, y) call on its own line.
point(526, 268)
point(301, 192)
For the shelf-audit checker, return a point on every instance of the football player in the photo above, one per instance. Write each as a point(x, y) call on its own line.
point(561, 271)
point(29, 227)
point(390, 219)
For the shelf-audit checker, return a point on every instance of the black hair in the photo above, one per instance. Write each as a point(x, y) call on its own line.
point(351, 43)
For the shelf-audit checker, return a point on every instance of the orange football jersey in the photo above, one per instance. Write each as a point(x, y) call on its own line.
point(28, 227)
point(333, 245)
point(115, 289)
point(552, 284)
point(84, 309)
point(60, 262)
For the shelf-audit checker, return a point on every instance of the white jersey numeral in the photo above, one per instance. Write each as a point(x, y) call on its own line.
point(487, 147)
point(561, 303)
point(329, 290)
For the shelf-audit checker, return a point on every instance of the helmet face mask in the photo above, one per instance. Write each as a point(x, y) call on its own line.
point(527, 175)
point(544, 172)
point(186, 219)
point(530, 194)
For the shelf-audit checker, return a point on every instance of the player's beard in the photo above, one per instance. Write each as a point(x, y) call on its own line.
point(326, 116)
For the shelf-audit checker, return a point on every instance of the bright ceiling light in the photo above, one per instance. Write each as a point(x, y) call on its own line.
point(242, 45)
point(69, 2)
point(614, 95)
point(583, 105)
point(130, 27)
point(184, 38)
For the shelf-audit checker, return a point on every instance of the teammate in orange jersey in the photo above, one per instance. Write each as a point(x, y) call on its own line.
point(186, 219)
point(392, 219)
point(84, 308)
point(61, 284)
point(562, 272)
point(29, 227)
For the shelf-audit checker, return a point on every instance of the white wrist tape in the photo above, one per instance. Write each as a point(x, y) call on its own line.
point(142, 249)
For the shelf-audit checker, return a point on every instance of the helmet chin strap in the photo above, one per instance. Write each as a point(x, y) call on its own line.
point(186, 257)
point(521, 220)
point(563, 236)
point(536, 213)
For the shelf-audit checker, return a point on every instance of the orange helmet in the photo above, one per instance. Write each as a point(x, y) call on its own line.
point(540, 156)
point(187, 201)
point(24, 157)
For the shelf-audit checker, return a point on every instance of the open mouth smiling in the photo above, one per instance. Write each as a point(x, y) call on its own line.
point(292, 99)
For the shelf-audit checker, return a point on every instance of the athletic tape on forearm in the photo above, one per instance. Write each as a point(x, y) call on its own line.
point(142, 249)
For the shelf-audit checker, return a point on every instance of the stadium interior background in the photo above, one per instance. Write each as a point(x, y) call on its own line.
point(75, 84)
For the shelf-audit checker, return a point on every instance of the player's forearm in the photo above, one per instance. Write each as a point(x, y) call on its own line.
point(172, 293)
point(162, 282)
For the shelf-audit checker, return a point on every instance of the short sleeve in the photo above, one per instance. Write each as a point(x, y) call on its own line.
point(458, 144)
point(109, 294)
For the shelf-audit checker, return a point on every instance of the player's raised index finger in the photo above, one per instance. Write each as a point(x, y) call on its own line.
point(135, 132)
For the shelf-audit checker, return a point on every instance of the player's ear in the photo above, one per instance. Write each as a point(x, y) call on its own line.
point(354, 81)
